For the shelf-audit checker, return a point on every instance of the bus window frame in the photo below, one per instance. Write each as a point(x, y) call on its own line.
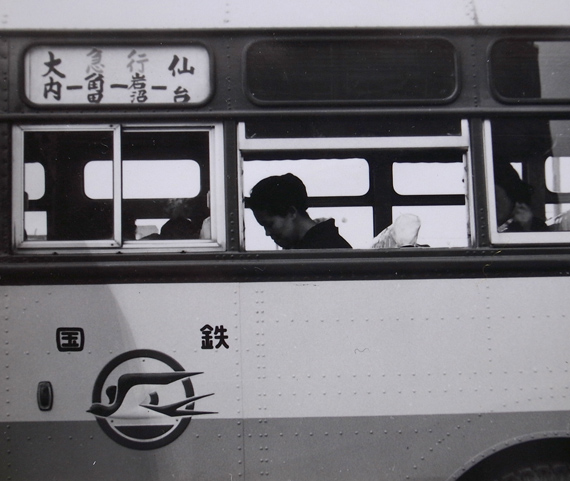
point(460, 142)
point(216, 196)
point(332, 102)
point(18, 186)
point(510, 238)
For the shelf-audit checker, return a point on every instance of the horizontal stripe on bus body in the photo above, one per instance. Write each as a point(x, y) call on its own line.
point(280, 266)
point(345, 448)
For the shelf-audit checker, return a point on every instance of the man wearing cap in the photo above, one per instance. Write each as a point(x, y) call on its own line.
point(279, 204)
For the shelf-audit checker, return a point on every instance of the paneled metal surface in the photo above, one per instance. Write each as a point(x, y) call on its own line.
point(309, 380)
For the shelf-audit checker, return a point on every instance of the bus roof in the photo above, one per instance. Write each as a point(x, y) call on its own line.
point(276, 14)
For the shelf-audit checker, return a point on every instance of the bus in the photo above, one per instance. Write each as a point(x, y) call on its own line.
point(152, 331)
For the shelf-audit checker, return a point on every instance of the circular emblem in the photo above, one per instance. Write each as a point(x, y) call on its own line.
point(144, 399)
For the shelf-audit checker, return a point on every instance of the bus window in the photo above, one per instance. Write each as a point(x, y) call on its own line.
point(530, 71)
point(55, 205)
point(530, 182)
point(357, 70)
point(105, 187)
point(366, 182)
point(165, 177)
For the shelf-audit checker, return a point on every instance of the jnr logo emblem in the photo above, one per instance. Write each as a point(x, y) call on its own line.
point(150, 399)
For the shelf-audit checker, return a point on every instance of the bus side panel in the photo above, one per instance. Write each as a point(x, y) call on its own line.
point(405, 347)
point(138, 330)
point(391, 448)
point(315, 380)
point(408, 378)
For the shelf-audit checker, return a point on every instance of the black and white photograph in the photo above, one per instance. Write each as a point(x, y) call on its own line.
point(303, 240)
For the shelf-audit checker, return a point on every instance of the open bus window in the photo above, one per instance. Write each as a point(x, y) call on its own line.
point(434, 192)
point(108, 186)
point(366, 183)
point(529, 185)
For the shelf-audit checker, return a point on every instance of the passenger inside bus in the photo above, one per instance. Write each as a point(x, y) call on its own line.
point(179, 225)
point(176, 228)
point(279, 204)
point(513, 200)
